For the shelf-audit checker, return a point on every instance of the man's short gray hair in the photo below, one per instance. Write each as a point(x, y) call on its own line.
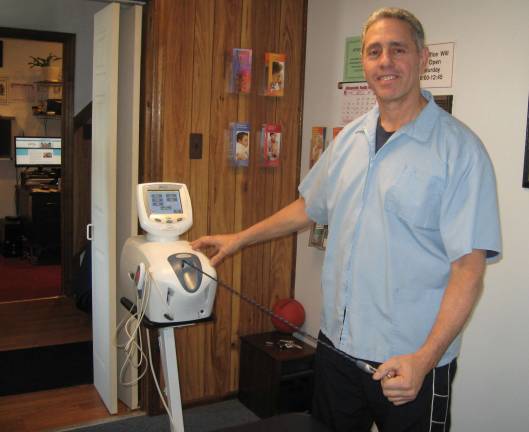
point(416, 28)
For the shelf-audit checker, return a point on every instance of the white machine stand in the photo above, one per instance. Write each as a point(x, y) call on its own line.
point(162, 270)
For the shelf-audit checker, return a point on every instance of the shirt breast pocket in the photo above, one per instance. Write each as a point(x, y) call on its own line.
point(415, 197)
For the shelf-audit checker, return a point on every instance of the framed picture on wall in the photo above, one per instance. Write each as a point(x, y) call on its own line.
point(525, 181)
point(445, 102)
point(3, 90)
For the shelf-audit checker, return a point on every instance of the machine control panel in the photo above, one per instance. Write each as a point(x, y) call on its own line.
point(164, 209)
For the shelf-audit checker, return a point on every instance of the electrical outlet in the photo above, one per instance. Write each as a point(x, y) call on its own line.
point(195, 146)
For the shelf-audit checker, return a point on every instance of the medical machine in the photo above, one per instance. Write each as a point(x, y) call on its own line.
point(163, 279)
point(168, 267)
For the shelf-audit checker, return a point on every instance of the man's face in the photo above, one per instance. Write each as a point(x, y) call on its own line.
point(392, 63)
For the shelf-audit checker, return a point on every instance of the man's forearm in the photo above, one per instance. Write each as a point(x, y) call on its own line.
point(289, 219)
point(462, 292)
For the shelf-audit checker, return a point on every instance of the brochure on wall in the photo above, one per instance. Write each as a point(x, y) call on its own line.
point(240, 144)
point(353, 70)
point(270, 145)
point(241, 70)
point(357, 99)
point(317, 143)
point(336, 131)
point(274, 74)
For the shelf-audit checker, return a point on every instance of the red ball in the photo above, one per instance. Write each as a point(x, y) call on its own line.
point(292, 311)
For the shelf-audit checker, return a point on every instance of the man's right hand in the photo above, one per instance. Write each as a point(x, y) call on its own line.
point(217, 247)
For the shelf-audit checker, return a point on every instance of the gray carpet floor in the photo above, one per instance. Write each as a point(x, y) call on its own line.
point(198, 419)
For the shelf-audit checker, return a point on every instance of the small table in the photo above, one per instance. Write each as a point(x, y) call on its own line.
point(274, 380)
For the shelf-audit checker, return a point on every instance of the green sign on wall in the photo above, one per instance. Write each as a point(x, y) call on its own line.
point(352, 71)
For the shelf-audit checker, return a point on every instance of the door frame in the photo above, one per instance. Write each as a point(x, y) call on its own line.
point(67, 131)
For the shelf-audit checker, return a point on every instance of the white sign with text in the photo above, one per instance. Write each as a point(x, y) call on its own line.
point(440, 66)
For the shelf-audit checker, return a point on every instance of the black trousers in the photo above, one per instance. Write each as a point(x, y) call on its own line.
point(348, 400)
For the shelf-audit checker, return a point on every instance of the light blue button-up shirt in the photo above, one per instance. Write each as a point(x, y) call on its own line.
point(397, 219)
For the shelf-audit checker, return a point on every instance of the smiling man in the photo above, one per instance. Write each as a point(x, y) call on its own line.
point(409, 195)
point(393, 60)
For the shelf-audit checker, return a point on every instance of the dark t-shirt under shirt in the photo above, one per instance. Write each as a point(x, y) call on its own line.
point(381, 136)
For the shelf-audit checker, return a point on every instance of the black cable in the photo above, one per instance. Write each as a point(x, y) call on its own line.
point(366, 367)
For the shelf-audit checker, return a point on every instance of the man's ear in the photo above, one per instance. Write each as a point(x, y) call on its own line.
point(424, 56)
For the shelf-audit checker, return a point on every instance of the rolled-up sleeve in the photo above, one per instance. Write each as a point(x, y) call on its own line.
point(314, 189)
point(469, 209)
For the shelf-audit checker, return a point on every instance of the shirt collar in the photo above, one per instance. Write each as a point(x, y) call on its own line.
point(419, 129)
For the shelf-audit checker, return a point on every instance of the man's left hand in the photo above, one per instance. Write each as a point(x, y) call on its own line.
point(401, 378)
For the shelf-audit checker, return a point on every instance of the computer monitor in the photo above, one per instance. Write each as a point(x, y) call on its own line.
point(38, 151)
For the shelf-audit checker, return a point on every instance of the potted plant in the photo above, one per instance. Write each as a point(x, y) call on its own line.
point(50, 72)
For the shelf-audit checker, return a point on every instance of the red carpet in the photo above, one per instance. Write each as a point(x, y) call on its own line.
point(20, 280)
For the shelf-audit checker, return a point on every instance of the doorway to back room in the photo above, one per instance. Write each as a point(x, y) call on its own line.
point(31, 93)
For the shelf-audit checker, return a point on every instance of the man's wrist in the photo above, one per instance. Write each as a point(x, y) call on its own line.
point(242, 239)
point(428, 358)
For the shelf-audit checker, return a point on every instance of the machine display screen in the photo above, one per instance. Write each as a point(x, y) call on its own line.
point(165, 201)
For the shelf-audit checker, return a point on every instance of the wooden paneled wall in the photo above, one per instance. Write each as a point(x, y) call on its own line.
point(187, 50)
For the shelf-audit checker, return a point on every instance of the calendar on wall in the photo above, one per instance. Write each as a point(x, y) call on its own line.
point(357, 99)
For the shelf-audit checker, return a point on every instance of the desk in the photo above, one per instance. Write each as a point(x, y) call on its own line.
point(274, 380)
point(40, 212)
